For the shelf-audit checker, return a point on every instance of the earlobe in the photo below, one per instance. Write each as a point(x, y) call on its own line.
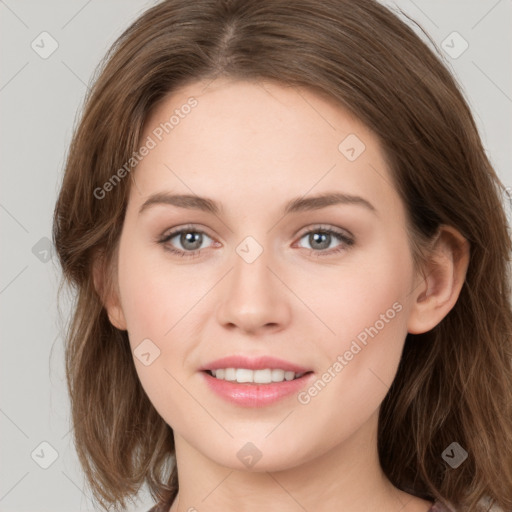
point(109, 296)
point(117, 319)
point(116, 315)
point(440, 285)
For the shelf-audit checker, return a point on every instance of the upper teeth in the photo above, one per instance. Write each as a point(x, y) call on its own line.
point(265, 376)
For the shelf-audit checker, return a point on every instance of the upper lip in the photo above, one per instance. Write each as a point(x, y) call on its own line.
point(255, 363)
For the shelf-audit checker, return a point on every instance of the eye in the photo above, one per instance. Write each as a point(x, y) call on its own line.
point(189, 238)
point(320, 238)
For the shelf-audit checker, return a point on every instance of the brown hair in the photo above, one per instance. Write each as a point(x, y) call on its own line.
point(454, 383)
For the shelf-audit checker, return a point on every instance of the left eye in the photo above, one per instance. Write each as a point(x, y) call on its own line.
point(322, 238)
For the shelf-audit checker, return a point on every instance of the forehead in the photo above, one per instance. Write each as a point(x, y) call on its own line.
point(277, 114)
point(258, 139)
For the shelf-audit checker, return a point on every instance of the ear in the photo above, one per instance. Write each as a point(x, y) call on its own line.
point(438, 288)
point(108, 291)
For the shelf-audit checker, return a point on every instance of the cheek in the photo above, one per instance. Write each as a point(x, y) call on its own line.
point(369, 319)
point(369, 316)
point(372, 292)
point(151, 308)
point(154, 294)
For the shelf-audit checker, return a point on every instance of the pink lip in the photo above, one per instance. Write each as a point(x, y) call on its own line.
point(258, 363)
point(255, 395)
point(250, 394)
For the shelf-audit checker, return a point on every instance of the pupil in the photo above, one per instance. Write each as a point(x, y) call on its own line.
point(189, 238)
point(317, 236)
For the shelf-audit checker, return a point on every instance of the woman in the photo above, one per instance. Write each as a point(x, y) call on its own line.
point(369, 372)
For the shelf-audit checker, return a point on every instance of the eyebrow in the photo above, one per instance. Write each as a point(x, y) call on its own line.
point(299, 204)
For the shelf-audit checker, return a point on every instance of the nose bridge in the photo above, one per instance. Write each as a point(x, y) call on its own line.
point(251, 275)
point(252, 297)
point(251, 263)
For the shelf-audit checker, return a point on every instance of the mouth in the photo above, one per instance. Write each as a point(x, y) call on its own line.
point(255, 381)
point(258, 377)
point(257, 387)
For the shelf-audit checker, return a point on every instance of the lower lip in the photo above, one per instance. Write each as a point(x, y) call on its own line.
point(255, 395)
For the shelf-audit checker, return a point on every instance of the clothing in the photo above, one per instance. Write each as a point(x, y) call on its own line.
point(164, 507)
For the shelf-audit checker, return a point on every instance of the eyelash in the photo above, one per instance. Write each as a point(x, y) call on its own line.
point(347, 241)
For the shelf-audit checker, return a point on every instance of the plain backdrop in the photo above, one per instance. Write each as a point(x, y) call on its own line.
point(49, 51)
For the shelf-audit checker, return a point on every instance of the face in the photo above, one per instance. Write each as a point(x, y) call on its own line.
point(271, 277)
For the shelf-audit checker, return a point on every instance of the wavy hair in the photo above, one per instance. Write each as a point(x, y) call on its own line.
point(454, 383)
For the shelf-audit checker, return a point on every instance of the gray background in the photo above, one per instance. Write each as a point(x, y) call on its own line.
point(39, 101)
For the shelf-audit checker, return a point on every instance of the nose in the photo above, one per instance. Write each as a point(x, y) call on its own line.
point(254, 298)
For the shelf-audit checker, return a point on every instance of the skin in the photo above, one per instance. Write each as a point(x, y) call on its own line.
point(252, 147)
